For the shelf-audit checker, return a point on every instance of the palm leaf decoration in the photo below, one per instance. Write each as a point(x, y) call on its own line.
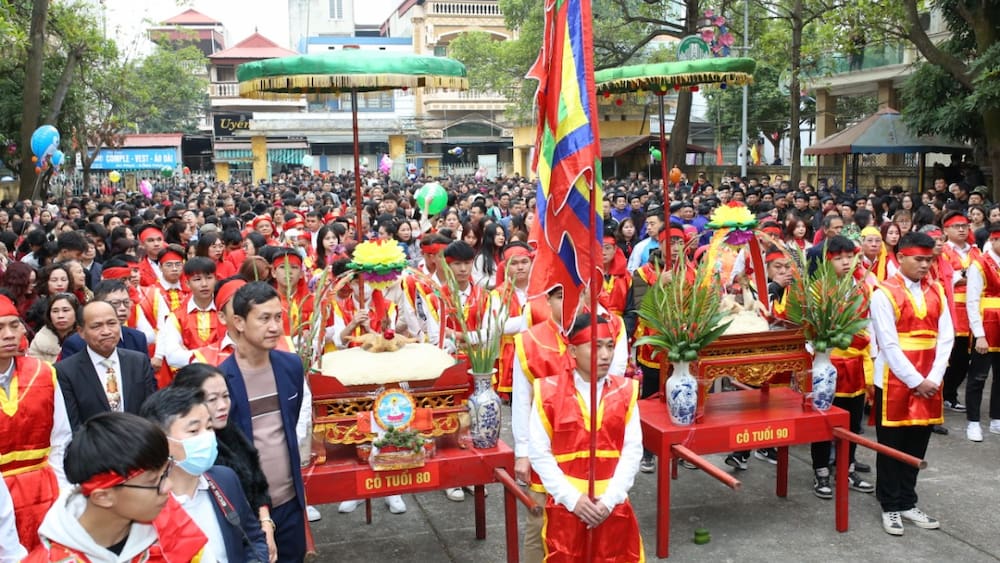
point(684, 317)
point(827, 306)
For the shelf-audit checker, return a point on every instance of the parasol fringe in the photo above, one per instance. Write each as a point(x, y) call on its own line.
point(283, 87)
point(683, 80)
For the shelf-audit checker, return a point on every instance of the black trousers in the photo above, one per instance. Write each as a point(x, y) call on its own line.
point(290, 532)
point(958, 366)
point(896, 482)
point(855, 406)
point(979, 370)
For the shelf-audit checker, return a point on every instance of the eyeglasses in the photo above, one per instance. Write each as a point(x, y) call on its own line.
point(120, 303)
point(174, 265)
point(158, 487)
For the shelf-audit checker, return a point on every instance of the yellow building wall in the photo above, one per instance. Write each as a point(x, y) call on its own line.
point(258, 146)
point(222, 171)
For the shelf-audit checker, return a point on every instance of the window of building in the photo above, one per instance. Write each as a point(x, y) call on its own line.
point(225, 74)
point(440, 50)
point(368, 101)
point(336, 9)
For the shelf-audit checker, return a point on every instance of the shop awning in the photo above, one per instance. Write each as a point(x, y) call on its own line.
point(612, 147)
point(276, 156)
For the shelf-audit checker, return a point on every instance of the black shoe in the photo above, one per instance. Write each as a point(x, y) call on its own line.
point(862, 467)
point(737, 461)
point(938, 429)
point(856, 483)
point(769, 455)
point(821, 485)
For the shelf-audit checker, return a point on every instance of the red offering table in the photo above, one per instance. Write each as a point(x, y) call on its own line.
point(343, 478)
point(741, 420)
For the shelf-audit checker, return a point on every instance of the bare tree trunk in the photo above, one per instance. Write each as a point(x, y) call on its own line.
point(62, 88)
point(794, 136)
point(32, 104)
point(677, 151)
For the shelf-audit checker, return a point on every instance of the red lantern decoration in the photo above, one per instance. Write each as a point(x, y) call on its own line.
point(675, 175)
point(694, 88)
point(38, 170)
point(607, 95)
point(677, 87)
point(618, 102)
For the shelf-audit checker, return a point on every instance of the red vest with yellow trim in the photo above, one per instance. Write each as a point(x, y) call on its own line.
point(297, 311)
point(960, 263)
point(147, 276)
point(989, 301)
point(917, 329)
point(174, 298)
point(644, 354)
point(179, 539)
point(150, 304)
point(505, 363)
point(346, 309)
point(614, 293)
point(568, 425)
point(26, 420)
point(198, 328)
point(854, 365)
point(473, 308)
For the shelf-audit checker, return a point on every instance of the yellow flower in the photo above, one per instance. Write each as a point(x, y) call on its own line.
point(379, 254)
point(733, 215)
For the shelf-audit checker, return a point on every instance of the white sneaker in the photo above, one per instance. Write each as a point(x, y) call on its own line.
point(348, 506)
point(974, 432)
point(395, 504)
point(456, 494)
point(892, 523)
point(313, 514)
point(920, 519)
point(995, 426)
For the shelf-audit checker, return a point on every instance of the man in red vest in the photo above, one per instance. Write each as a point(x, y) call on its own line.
point(512, 293)
point(194, 324)
point(960, 254)
point(151, 238)
point(560, 453)
point(983, 307)
point(34, 428)
point(218, 351)
point(915, 335)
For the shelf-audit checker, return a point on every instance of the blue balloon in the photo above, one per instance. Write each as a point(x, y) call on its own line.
point(57, 158)
point(44, 141)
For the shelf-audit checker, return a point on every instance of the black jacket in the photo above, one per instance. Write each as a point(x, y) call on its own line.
point(239, 454)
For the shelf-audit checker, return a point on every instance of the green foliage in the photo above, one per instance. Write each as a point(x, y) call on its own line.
point(937, 104)
point(169, 91)
point(401, 439)
point(827, 306)
point(684, 317)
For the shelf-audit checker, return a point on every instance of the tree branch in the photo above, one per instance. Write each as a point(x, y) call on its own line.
point(623, 57)
point(62, 88)
point(916, 34)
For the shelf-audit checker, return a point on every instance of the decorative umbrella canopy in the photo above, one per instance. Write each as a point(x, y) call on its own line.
point(726, 70)
point(321, 75)
point(882, 133)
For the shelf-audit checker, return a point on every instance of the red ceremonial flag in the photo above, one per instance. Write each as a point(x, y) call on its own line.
point(718, 155)
point(567, 157)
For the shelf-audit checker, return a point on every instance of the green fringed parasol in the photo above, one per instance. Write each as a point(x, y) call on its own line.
point(659, 78)
point(322, 75)
point(702, 72)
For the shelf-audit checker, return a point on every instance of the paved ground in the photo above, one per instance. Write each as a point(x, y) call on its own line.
point(961, 487)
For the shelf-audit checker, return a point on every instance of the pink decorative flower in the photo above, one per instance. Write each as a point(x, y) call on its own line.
point(709, 13)
point(727, 39)
point(708, 35)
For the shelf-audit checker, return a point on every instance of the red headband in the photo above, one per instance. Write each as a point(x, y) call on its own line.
point(583, 336)
point(226, 292)
point(772, 230)
point(915, 251)
point(106, 480)
point(774, 255)
point(432, 248)
point(170, 253)
point(936, 233)
point(610, 240)
point(830, 255)
point(150, 232)
point(7, 308)
point(994, 235)
point(516, 251)
point(672, 232)
point(292, 258)
point(955, 220)
point(116, 273)
point(261, 219)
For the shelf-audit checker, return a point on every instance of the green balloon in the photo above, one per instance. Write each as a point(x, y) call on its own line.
point(166, 172)
point(657, 155)
point(432, 198)
point(419, 194)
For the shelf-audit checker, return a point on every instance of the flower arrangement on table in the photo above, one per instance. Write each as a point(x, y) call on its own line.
point(380, 262)
point(398, 449)
point(828, 307)
point(478, 339)
point(683, 318)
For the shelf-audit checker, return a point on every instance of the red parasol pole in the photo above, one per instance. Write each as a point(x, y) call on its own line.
point(666, 187)
point(358, 198)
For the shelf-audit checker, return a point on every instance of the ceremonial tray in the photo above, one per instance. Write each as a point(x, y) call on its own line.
point(755, 358)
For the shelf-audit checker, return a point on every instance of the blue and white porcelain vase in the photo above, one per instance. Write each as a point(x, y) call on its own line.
point(484, 412)
point(824, 381)
point(682, 394)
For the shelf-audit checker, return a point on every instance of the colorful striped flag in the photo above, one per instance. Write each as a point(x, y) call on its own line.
point(567, 157)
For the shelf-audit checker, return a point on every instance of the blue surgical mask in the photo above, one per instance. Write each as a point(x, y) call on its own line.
point(199, 453)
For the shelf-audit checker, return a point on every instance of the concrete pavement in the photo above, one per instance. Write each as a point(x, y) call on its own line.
point(961, 487)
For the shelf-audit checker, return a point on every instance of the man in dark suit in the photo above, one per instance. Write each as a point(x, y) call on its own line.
point(103, 377)
point(266, 387)
point(114, 293)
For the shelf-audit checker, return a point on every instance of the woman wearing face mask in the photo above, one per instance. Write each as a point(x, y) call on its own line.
point(211, 496)
point(235, 451)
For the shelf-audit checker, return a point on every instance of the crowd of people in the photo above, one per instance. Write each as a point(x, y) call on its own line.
point(157, 345)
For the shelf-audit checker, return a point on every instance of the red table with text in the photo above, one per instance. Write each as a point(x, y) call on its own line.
point(741, 420)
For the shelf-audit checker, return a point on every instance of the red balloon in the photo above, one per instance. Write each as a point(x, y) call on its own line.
point(38, 170)
point(675, 175)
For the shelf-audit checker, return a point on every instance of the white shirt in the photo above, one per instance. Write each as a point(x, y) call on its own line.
point(890, 354)
point(962, 251)
point(974, 286)
point(640, 254)
point(554, 480)
point(199, 508)
point(170, 342)
point(102, 372)
point(11, 550)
